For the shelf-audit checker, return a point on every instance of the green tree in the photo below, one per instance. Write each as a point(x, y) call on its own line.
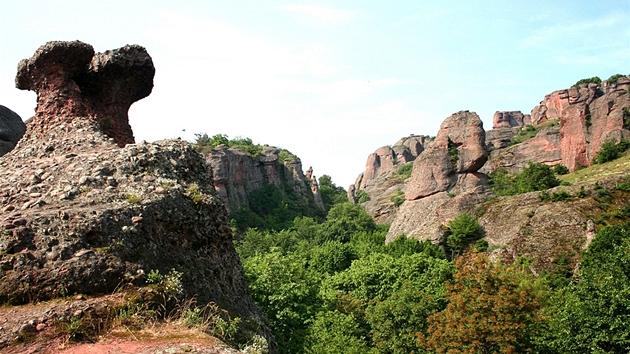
point(490, 310)
point(461, 231)
point(334, 332)
point(286, 290)
point(592, 315)
point(536, 176)
point(331, 193)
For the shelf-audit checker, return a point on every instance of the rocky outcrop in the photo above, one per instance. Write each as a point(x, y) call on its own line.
point(509, 119)
point(12, 129)
point(237, 174)
point(80, 215)
point(444, 182)
point(586, 116)
point(545, 147)
point(72, 81)
point(380, 181)
point(459, 148)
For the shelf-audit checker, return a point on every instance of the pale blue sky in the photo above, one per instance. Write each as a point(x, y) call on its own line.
point(329, 80)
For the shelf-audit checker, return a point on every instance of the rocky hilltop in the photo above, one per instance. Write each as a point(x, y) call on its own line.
point(237, 174)
point(449, 174)
point(84, 210)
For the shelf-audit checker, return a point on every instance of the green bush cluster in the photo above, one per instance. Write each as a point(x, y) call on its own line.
point(535, 176)
point(614, 78)
point(336, 287)
point(461, 231)
point(362, 197)
point(611, 150)
point(403, 172)
point(204, 144)
point(593, 80)
point(528, 132)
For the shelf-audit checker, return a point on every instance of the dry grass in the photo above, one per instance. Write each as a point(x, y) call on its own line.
point(599, 171)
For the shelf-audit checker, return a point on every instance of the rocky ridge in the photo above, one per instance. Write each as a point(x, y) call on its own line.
point(81, 215)
point(569, 127)
point(236, 174)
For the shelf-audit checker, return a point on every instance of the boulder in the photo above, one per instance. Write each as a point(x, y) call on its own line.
point(459, 147)
point(72, 81)
point(12, 129)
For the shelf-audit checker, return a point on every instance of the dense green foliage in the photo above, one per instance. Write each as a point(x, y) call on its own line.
point(461, 232)
point(336, 287)
point(362, 196)
point(534, 177)
point(560, 169)
point(592, 80)
point(330, 192)
point(611, 150)
point(614, 78)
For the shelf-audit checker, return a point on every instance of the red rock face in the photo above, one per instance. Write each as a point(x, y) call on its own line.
point(435, 170)
point(72, 82)
point(509, 119)
point(382, 160)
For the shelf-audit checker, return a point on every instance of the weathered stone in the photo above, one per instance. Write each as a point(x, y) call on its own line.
point(71, 81)
point(459, 147)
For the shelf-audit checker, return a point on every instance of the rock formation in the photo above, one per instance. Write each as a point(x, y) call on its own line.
point(80, 215)
point(380, 182)
point(444, 181)
point(72, 81)
point(237, 174)
point(458, 149)
point(12, 129)
point(509, 119)
point(572, 123)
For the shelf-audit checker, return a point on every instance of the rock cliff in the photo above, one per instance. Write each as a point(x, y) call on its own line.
point(236, 174)
point(81, 215)
point(587, 115)
point(380, 181)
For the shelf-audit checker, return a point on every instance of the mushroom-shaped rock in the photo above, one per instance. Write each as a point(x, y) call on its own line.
point(52, 72)
point(114, 81)
point(12, 129)
point(72, 82)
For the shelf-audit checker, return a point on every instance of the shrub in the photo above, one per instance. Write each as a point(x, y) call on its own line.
point(461, 231)
point(560, 169)
point(404, 171)
point(397, 197)
point(525, 134)
point(613, 79)
point(362, 197)
point(611, 150)
point(453, 153)
point(594, 80)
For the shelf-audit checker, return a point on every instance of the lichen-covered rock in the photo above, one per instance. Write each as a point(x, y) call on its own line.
point(72, 81)
point(12, 129)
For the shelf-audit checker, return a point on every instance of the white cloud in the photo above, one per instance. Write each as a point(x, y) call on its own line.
point(334, 16)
